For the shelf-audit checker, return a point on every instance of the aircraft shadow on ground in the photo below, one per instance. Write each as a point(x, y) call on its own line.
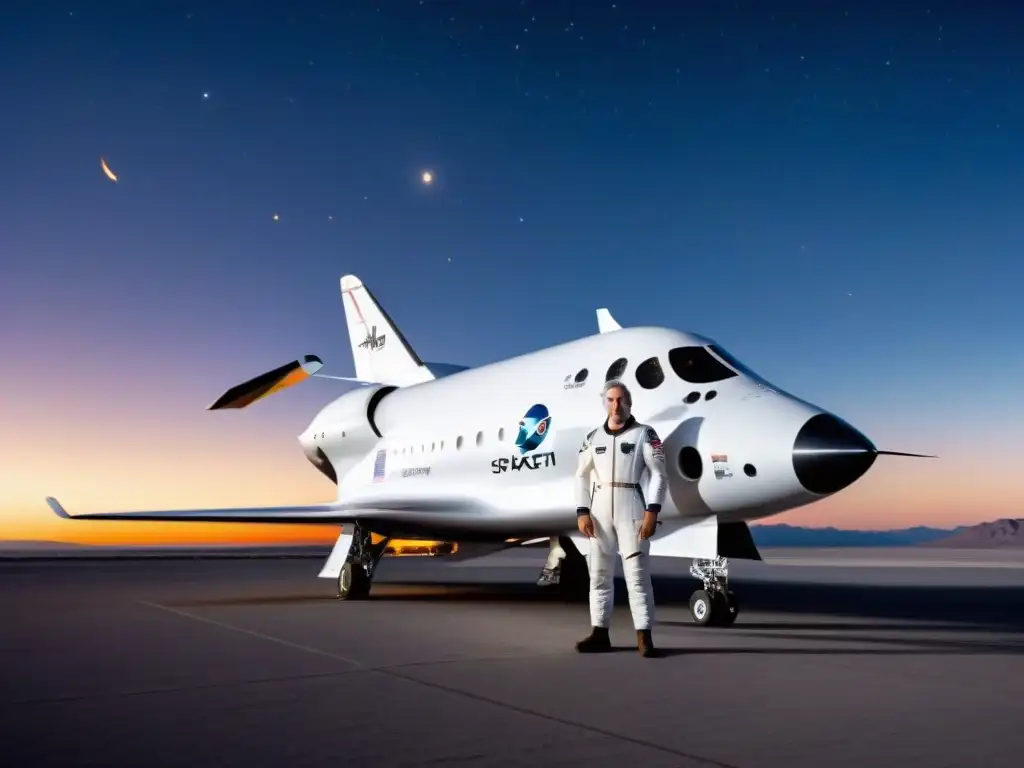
point(855, 620)
point(988, 608)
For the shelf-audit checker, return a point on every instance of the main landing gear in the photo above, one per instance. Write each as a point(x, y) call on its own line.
point(356, 574)
point(569, 574)
point(715, 605)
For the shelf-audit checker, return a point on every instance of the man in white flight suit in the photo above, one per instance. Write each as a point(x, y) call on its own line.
point(613, 511)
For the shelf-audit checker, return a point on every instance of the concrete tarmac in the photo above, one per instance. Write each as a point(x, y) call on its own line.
point(253, 662)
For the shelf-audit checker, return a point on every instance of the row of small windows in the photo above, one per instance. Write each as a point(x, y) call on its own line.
point(694, 365)
point(438, 445)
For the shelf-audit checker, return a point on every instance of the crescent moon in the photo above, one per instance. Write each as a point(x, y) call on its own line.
point(106, 169)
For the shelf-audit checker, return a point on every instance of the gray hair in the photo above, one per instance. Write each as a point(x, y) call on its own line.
point(616, 384)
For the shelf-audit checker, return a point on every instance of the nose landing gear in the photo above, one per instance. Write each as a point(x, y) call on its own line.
point(715, 605)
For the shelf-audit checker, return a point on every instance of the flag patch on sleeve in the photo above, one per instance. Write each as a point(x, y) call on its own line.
point(656, 447)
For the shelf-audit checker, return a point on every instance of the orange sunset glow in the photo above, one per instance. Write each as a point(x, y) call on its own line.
point(97, 450)
point(258, 463)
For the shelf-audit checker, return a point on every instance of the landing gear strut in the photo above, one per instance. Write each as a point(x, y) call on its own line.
point(715, 605)
point(566, 570)
point(356, 574)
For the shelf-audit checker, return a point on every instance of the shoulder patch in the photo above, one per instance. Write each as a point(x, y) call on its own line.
point(656, 447)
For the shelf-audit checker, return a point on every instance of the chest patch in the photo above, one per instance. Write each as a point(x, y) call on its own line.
point(627, 448)
point(600, 449)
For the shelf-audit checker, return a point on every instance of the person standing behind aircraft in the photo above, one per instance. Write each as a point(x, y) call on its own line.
point(615, 515)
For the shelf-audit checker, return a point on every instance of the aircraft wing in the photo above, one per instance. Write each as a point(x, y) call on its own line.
point(308, 513)
point(398, 511)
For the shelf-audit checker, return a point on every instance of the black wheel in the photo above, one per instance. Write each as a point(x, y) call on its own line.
point(726, 609)
point(353, 583)
point(702, 608)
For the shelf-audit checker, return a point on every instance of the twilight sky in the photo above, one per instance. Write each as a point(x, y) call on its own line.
point(827, 189)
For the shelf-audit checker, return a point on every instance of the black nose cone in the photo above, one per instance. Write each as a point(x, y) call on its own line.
point(829, 454)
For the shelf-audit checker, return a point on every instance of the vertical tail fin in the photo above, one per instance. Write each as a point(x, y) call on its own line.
point(379, 350)
point(605, 322)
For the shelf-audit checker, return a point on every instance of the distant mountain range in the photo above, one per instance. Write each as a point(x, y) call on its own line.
point(21, 549)
point(999, 533)
point(782, 535)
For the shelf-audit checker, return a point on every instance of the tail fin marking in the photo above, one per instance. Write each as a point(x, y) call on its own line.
point(379, 350)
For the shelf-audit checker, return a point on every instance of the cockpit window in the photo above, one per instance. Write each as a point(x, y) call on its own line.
point(697, 366)
point(739, 366)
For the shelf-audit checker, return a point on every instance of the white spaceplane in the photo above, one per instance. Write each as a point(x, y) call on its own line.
point(488, 455)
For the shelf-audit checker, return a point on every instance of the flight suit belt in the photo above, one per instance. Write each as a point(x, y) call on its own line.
point(620, 485)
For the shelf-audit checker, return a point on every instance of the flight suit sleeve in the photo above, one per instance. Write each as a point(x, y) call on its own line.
point(584, 465)
point(654, 458)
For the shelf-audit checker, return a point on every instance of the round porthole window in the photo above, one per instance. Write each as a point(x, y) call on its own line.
point(649, 374)
point(691, 466)
point(616, 369)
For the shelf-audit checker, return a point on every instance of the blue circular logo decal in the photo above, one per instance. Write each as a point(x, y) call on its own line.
point(533, 428)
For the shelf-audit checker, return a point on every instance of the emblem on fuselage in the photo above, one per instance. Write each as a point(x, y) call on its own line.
point(534, 428)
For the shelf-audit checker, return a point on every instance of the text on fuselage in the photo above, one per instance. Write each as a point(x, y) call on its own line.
point(519, 463)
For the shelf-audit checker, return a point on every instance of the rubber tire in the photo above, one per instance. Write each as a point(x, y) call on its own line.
point(726, 610)
point(701, 603)
point(352, 583)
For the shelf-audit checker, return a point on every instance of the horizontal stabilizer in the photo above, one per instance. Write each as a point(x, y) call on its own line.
point(606, 323)
point(349, 379)
point(268, 383)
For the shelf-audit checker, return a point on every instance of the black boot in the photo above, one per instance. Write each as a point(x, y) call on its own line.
point(645, 644)
point(598, 641)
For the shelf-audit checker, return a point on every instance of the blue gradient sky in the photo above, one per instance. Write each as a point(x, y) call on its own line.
point(832, 194)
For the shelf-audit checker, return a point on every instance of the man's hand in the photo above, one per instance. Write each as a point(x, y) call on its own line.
point(586, 525)
point(648, 525)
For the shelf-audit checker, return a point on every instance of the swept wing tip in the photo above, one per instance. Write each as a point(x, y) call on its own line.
point(57, 508)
